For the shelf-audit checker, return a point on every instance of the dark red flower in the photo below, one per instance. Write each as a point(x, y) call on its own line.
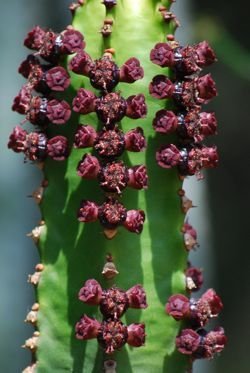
point(135, 140)
point(88, 211)
point(113, 177)
point(114, 303)
point(161, 87)
point(87, 328)
point(131, 71)
point(178, 306)
point(168, 156)
point(58, 112)
point(57, 148)
point(104, 74)
point(208, 123)
point(84, 136)
point(188, 341)
point(138, 177)
point(57, 79)
point(50, 48)
point(91, 292)
point(84, 102)
point(165, 121)
point(35, 38)
point(111, 108)
point(112, 335)
point(88, 167)
point(110, 143)
point(136, 106)
point(134, 221)
point(112, 213)
point(137, 297)
point(71, 41)
point(162, 54)
point(136, 335)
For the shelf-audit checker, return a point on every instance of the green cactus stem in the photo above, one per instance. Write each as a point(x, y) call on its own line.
point(73, 252)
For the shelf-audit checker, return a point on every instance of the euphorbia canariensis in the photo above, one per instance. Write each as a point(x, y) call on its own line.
point(104, 95)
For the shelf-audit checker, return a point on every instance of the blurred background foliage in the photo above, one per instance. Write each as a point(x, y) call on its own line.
point(223, 200)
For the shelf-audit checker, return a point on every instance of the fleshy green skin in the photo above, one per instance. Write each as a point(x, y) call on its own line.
point(73, 252)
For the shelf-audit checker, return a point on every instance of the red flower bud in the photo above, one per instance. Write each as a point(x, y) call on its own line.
point(136, 106)
point(178, 306)
point(88, 212)
point(85, 136)
point(87, 328)
point(168, 156)
point(88, 167)
point(165, 121)
point(58, 112)
point(57, 79)
point(205, 55)
point(137, 297)
point(57, 148)
point(91, 293)
point(161, 87)
point(35, 38)
point(162, 54)
point(84, 102)
point(138, 177)
point(134, 221)
point(135, 140)
point(214, 342)
point(131, 71)
point(206, 88)
point(136, 335)
point(71, 41)
point(81, 63)
point(188, 341)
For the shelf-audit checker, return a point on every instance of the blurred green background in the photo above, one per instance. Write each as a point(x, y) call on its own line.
point(223, 199)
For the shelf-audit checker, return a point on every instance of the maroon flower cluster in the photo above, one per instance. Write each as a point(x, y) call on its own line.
point(44, 75)
point(111, 333)
point(197, 312)
point(110, 142)
point(189, 91)
point(36, 146)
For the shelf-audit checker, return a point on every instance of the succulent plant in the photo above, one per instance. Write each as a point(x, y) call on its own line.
point(112, 203)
